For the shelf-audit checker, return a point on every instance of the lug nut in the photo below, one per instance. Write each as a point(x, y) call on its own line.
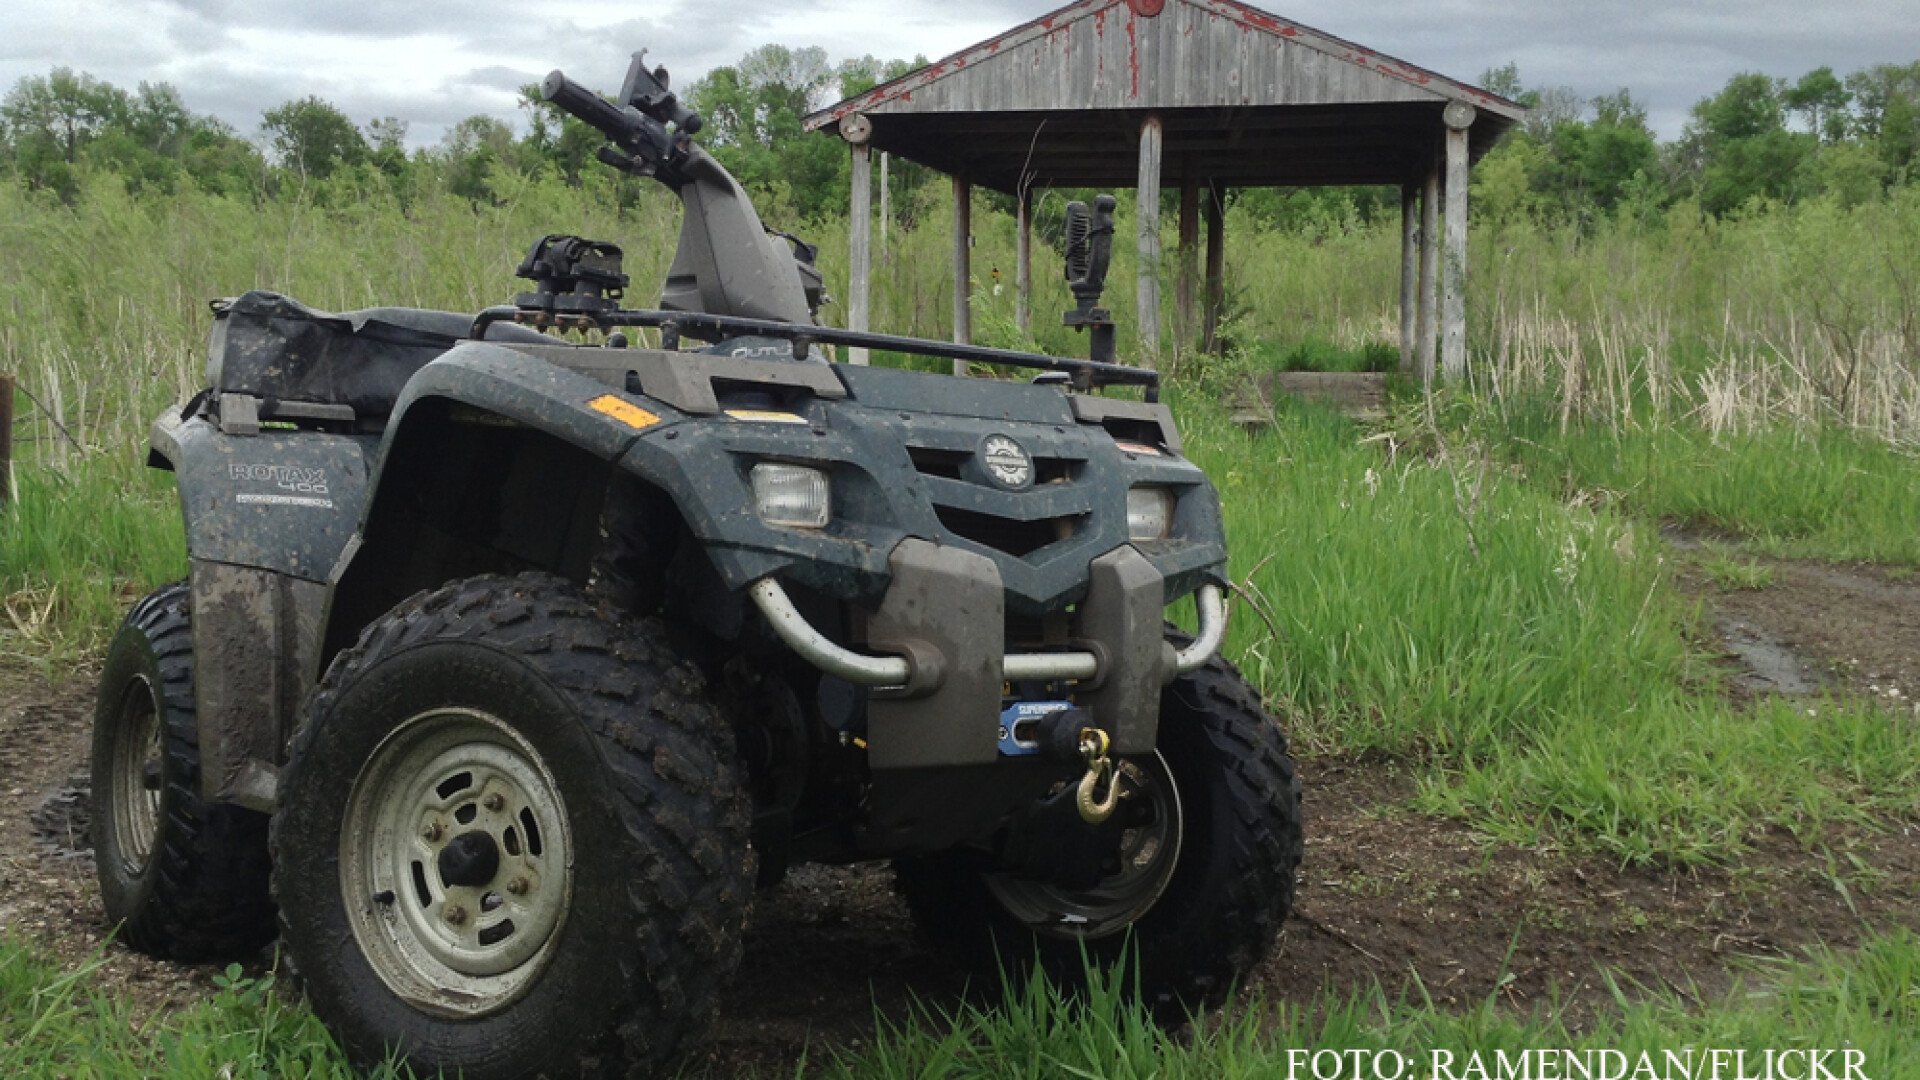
point(431, 832)
point(456, 915)
point(518, 886)
point(494, 801)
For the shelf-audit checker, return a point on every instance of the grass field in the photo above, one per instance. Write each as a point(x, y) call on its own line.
point(53, 1024)
point(1476, 589)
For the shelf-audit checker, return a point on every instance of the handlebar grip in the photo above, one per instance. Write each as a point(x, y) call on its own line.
point(683, 119)
point(587, 105)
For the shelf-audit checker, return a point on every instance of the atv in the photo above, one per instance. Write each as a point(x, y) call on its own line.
point(509, 661)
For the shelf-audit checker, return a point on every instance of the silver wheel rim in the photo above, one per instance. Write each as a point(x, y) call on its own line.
point(135, 793)
point(1149, 851)
point(466, 949)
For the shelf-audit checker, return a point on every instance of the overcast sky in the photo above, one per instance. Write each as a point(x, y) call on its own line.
point(434, 62)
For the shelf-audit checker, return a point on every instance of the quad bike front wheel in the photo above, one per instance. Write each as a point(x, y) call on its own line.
point(1199, 883)
point(511, 841)
point(183, 878)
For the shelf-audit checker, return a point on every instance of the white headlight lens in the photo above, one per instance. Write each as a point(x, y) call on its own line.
point(791, 495)
point(1149, 513)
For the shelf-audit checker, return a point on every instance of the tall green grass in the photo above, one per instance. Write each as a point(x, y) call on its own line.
point(56, 1025)
point(1827, 493)
point(1530, 652)
point(76, 546)
point(1864, 1002)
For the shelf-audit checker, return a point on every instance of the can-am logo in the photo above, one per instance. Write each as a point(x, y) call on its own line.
point(287, 477)
point(1006, 462)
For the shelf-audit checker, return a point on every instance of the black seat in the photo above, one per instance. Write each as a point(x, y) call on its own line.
point(280, 350)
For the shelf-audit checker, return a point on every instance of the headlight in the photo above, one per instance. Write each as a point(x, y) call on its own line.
point(791, 495)
point(1149, 513)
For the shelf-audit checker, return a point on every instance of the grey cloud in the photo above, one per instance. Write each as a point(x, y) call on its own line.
point(1669, 54)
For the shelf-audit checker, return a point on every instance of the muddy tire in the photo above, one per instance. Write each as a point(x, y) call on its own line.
point(511, 841)
point(185, 879)
point(1205, 879)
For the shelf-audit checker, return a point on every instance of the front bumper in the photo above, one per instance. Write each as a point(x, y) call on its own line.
point(941, 669)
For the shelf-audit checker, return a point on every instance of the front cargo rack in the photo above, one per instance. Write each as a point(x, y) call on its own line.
point(1085, 374)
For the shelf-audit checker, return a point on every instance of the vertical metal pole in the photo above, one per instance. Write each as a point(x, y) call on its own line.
point(1429, 275)
point(1147, 209)
point(860, 248)
point(1216, 263)
point(1453, 347)
point(962, 266)
point(1023, 262)
point(1188, 281)
point(1409, 272)
point(6, 438)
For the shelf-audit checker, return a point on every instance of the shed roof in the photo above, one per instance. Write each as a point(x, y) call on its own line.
point(1244, 97)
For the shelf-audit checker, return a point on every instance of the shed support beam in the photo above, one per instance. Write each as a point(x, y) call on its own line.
point(1216, 263)
point(860, 248)
point(1147, 209)
point(962, 266)
point(886, 204)
point(1189, 279)
point(1429, 275)
point(1409, 273)
point(1023, 262)
point(1453, 348)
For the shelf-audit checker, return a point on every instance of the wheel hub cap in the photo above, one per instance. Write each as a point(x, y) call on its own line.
point(456, 862)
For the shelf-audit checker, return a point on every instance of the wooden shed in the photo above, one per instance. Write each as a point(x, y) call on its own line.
point(1203, 94)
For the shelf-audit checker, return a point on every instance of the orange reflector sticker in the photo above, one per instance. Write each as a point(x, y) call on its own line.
point(629, 414)
point(766, 417)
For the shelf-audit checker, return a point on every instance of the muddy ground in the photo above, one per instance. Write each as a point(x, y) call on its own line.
point(1386, 894)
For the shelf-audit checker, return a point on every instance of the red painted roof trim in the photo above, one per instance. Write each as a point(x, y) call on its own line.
point(902, 88)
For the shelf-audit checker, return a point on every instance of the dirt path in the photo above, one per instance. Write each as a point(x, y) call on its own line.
point(1385, 894)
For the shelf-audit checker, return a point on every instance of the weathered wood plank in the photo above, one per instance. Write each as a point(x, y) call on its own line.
point(860, 247)
point(1360, 394)
point(962, 267)
point(1147, 211)
point(1429, 273)
point(1023, 261)
point(1453, 346)
point(1216, 263)
point(1409, 272)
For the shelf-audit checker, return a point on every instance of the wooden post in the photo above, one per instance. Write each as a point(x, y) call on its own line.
point(1453, 347)
point(1429, 274)
point(860, 248)
point(1409, 272)
point(1023, 261)
point(886, 203)
point(1216, 264)
point(962, 266)
point(1189, 279)
point(6, 438)
point(1147, 209)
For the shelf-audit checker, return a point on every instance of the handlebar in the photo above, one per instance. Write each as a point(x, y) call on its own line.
point(588, 106)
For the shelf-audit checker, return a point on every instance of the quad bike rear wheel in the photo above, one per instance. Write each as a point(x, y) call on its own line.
point(1201, 880)
point(183, 878)
point(511, 841)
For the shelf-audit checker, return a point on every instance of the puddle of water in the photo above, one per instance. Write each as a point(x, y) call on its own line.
point(1770, 666)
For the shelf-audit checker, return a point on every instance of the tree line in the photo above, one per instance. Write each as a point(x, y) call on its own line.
point(1758, 140)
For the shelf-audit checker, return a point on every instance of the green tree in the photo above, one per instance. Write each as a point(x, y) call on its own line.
point(313, 138)
point(556, 137)
point(50, 120)
point(753, 112)
point(1742, 147)
point(1821, 98)
point(471, 151)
